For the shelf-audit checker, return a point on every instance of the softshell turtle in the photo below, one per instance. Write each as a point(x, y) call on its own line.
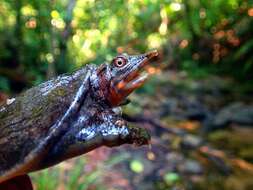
point(69, 116)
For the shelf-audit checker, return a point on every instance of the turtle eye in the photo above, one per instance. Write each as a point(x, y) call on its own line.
point(119, 61)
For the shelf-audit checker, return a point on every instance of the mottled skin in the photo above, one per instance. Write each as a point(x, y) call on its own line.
point(69, 116)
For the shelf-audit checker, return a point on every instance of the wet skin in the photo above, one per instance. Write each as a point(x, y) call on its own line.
point(88, 122)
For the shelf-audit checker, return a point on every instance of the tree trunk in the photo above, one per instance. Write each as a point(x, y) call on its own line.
point(62, 58)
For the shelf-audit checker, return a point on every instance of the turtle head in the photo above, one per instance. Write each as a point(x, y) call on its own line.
point(122, 76)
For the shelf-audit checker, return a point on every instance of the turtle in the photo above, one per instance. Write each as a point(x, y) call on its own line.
point(70, 115)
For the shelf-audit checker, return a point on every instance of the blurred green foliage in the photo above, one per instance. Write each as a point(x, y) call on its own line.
point(40, 39)
point(72, 174)
point(136, 166)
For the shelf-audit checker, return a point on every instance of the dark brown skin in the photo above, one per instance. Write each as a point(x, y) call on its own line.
point(22, 182)
point(69, 116)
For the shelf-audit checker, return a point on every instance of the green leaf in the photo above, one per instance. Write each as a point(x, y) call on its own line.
point(136, 166)
point(171, 177)
point(4, 84)
point(244, 49)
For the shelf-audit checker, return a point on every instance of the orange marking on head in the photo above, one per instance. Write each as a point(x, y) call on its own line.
point(121, 84)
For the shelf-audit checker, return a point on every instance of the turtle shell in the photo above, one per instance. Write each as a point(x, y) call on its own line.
point(27, 120)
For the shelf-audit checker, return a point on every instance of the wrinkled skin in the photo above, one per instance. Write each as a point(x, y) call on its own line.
point(88, 122)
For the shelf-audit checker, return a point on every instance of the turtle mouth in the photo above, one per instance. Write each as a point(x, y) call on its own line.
point(134, 80)
point(137, 76)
